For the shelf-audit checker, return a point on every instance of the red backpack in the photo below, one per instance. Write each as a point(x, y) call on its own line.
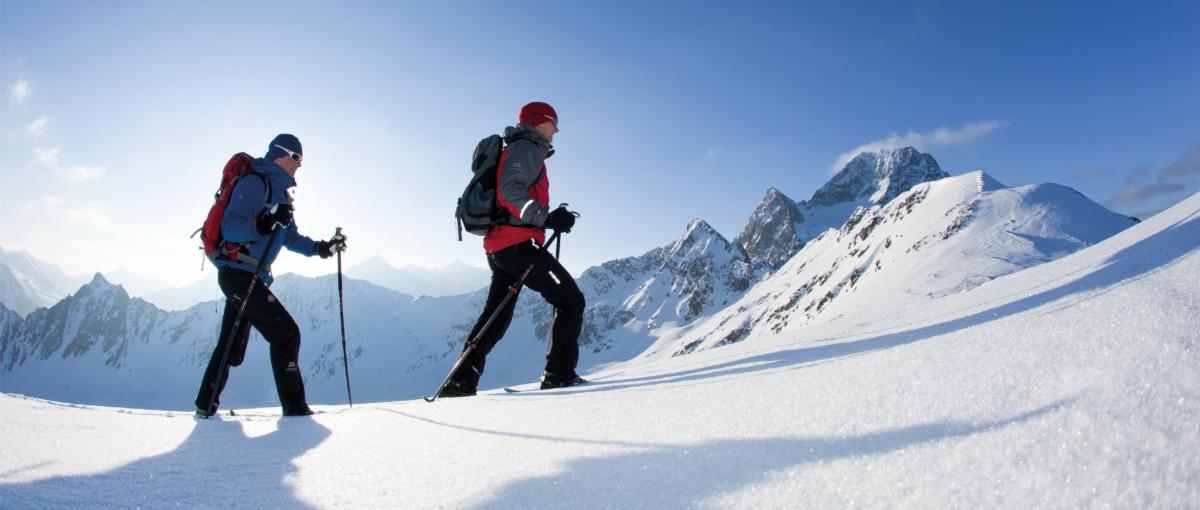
point(214, 244)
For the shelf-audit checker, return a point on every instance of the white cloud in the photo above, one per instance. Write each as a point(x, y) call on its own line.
point(74, 173)
point(38, 127)
point(47, 157)
point(20, 91)
point(48, 203)
point(81, 173)
point(89, 215)
point(940, 137)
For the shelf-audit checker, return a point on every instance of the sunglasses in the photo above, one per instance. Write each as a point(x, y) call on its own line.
point(297, 157)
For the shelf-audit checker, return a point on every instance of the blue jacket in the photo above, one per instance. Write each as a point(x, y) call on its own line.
point(237, 225)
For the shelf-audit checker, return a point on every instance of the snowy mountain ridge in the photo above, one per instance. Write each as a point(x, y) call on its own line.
point(779, 227)
point(27, 283)
point(19, 293)
point(878, 177)
point(938, 238)
point(695, 293)
point(1071, 384)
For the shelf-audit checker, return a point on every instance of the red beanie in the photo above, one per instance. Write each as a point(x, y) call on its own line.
point(537, 113)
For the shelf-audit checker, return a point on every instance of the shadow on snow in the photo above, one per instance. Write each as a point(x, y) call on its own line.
point(673, 476)
point(217, 465)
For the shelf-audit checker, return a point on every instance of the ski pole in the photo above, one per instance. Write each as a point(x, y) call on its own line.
point(512, 291)
point(237, 321)
point(342, 312)
point(558, 247)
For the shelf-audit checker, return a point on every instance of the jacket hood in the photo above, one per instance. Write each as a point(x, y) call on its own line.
point(527, 132)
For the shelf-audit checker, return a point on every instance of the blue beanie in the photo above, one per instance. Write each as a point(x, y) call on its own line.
point(290, 142)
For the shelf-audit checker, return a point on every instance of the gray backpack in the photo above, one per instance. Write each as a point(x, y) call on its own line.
point(477, 206)
point(477, 210)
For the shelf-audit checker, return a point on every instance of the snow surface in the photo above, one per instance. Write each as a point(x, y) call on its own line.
point(1075, 383)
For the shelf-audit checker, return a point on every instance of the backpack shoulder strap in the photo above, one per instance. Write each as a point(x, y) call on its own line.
point(541, 171)
point(266, 182)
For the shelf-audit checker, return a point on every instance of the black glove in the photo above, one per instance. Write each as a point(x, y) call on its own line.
point(267, 220)
point(560, 220)
point(335, 244)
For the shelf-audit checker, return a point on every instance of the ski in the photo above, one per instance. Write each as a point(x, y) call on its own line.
point(270, 415)
point(509, 389)
point(235, 414)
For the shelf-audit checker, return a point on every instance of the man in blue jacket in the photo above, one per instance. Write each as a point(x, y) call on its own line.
point(260, 203)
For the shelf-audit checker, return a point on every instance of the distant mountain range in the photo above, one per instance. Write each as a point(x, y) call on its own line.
point(455, 278)
point(891, 226)
point(27, 283)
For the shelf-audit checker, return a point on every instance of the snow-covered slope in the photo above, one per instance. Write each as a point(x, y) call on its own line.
point(453, 279)
point(1068, 385)
point(19, 294)
point(52, 283)
point(936, 239)
point(27, 283)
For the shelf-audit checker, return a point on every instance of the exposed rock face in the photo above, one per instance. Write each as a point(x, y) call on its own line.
point(771, 233)
point(780, 227)
point(100, 315)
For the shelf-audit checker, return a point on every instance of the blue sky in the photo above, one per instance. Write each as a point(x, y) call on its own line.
point(118, 116)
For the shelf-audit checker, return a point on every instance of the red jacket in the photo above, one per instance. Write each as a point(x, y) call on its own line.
point(523, 189)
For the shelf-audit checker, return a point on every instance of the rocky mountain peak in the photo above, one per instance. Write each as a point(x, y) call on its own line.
point(878, 176)
point(99, 290)
point(770, 233)
point(699, 237)
point(700, 227)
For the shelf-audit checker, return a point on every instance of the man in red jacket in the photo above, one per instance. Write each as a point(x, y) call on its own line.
point(514, 243)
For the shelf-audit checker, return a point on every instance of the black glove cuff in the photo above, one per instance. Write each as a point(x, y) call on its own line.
point(324, 249)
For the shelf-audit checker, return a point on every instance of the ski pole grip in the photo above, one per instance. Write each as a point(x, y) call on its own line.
point(564, 205)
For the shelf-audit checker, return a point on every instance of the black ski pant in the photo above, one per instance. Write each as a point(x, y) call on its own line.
point(274, 323)
point(556, 286)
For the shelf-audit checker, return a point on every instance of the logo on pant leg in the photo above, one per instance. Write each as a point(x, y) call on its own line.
point(292, 367)
point(270, 298)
